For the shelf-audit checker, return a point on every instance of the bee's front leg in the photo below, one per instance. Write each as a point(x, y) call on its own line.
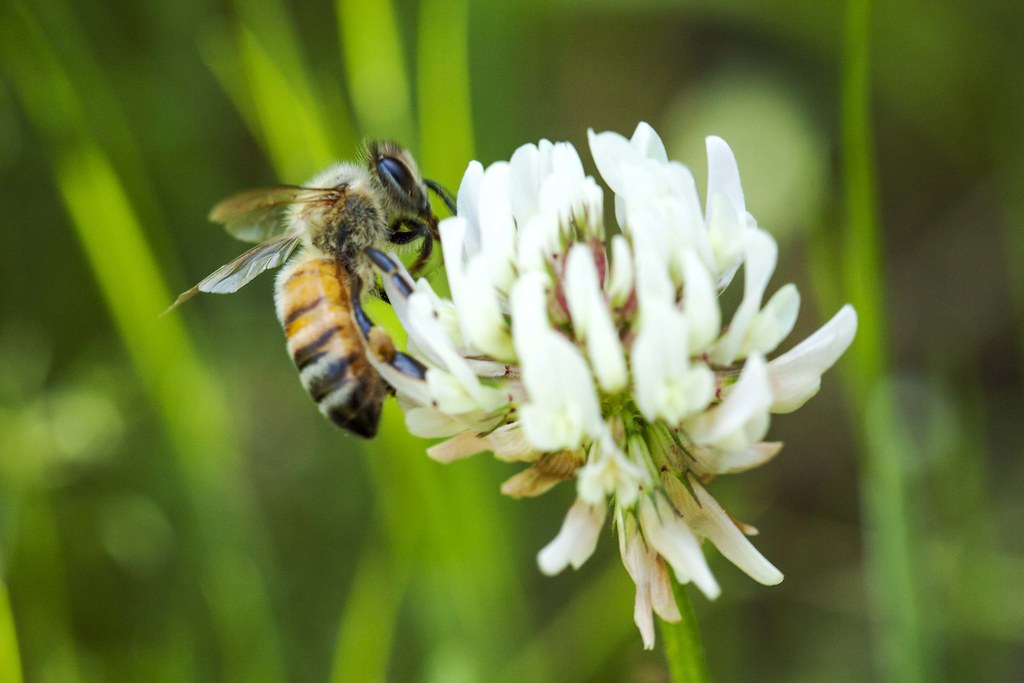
point(415, 229)
point(377, 340)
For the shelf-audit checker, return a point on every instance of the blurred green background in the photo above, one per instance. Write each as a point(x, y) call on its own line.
point(172, 506)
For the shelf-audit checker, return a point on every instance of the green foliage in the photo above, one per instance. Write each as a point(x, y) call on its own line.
point(172, 507)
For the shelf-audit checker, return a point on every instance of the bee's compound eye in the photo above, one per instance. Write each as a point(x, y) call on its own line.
point(398, 173)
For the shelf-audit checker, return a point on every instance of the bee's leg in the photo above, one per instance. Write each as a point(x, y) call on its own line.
point(389, 269)
point(378, 342)
point(415, 230)
point(442, 192)
point(396, 235)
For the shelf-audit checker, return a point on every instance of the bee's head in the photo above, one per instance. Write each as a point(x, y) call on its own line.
point(398, 181)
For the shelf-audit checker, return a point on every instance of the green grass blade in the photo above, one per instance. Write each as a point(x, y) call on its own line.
point(577, 643)
point(43, 613)
point(367, 629)
point(188, 399)
point(443, 90)
point(884, 445)
point(374, 62)
point(190, 402)
point(10, 659)
point(290, 124)
point(260, 66)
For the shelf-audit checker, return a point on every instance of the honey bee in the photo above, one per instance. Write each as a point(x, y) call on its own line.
point(338, 223)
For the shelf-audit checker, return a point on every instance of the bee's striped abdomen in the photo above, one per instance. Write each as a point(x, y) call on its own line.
point(314, 304)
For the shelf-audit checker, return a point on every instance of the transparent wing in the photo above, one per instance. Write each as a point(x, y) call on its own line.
point(233, 276)
point(256, 215)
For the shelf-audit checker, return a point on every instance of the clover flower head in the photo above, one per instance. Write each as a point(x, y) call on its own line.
point(609, 361)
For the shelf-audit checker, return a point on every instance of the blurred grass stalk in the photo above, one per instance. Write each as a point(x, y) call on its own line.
point(186, 395)
point(10, 661)
point(579, 642)
point(889, 541)
point(443, 89)
point(374, 65)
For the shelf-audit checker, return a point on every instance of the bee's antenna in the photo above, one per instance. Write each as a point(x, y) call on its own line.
point(444, 193)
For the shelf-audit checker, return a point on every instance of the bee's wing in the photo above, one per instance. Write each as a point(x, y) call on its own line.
point(233, 276)
point(255, 215)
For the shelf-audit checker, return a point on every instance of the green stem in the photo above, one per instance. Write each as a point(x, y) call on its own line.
point(682, 644)
point(883, 440)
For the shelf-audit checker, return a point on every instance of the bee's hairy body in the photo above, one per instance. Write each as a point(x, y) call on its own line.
point(318, 293)
point(314, 305)
point(339, 222)
point(343, 228)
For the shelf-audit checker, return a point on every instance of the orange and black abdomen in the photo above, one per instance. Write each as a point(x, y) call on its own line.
point(314, 304)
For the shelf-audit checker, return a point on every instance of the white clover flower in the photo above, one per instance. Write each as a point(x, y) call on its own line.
point(616, 372)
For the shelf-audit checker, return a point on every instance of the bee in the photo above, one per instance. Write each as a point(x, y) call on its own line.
point(336, 225)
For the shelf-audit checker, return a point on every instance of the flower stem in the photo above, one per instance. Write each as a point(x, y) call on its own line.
point(683, 648)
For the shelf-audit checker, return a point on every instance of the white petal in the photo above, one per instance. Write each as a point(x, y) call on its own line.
point(611, 153)
point(773, 323)
point(556, 198)
point(524, 182)
point(509, 443)
point(591, 319)
point(741, 412)
point(410, 306)
point(565, 161)
point(608, 472)
point(423, 321)
point(759, 264)
point(429, 423)
point(726, 238)
point(420, 318)
point(647, 355)
point(588, 209)
point(529, 313)
point(580, 285)
point(454, 380)
point(538, 239)
point(529, 483)
point(551, 426)
point(662, 598)
point(453, 247)
point(724, 174)
point(497, 227)
point(700, 304)
point(484, 325)
point(687, 219)
point(645, 139)
point(652, 280)
point(563, 403)
point(468, 203)
point(654, 217)
point(642, 616)
point(732, 462)
point(665, 384)
point(460, 446)
point(674, 540)
point(575, 541)
point(796, 375)
point(448, 393)
point(605, 351)
point(711, 521)
point(640, 562)
point(620, 280)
